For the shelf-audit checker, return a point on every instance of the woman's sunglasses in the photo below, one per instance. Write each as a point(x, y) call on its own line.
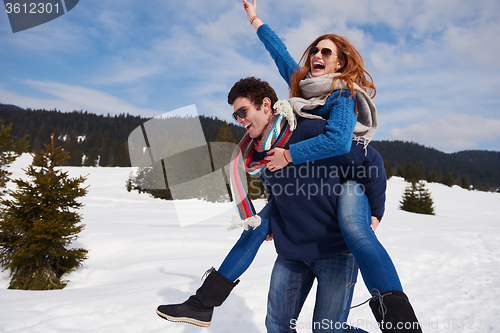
point(326, 52)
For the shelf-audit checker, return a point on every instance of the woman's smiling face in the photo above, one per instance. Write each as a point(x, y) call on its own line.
point(322, 64)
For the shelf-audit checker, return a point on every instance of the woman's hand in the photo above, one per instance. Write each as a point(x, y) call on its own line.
point(269, 237)
point(251, 9)
point(277, 159)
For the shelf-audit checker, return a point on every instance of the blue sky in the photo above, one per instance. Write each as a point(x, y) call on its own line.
point(435, 63)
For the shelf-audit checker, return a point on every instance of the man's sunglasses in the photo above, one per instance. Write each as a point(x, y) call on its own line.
point(326, 52)
point(241, 112)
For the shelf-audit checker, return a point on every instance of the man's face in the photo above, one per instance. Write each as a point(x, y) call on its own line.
point(255, 120)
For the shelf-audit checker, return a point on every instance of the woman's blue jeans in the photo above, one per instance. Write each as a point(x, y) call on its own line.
point(243, 252)
point(291, 281)
point(354, 215)
point(375, 264)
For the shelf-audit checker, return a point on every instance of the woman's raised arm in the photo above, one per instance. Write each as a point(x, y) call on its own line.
point(251, 9)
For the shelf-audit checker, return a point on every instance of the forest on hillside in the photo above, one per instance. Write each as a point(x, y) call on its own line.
point(478, 168)
point(98, 140)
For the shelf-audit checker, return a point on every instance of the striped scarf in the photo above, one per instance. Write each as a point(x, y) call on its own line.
point(276, 134)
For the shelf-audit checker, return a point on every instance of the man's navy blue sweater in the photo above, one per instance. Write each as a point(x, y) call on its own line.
point(304, 197)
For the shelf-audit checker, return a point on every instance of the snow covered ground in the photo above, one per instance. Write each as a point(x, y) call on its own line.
point(141, 257)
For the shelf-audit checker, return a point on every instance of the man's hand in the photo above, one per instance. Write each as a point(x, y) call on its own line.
point(375, 223)
point(269, 237)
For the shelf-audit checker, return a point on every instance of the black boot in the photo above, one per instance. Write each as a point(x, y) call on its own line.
point(394, 313)
point(198, 309)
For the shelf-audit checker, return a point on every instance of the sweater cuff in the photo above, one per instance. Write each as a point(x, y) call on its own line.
point(262, 28)
point(295, 155)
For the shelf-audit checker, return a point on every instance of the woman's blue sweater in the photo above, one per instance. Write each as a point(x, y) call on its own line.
point(304, 197)
point(336, 139)
point(339, 109)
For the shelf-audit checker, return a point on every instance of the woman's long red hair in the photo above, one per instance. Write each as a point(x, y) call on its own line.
point(351, 72)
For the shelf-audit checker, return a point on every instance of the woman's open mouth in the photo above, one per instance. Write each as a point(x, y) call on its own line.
point(318, 66)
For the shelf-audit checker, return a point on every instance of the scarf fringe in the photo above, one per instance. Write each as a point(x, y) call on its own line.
point(237, 223)
point(361, 141)
point(283, 107)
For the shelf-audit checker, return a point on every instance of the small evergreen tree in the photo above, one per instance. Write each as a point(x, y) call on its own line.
point(149, 180)
point(129, 182)
point(388, 169)
point(417, 199)
point(433, 177)
point(448, 179)
point(256, 190)
point(414, 172)
point(225, 134)
point(464, 183)
point(400, 171)
point(10, 150)
point(39, 222)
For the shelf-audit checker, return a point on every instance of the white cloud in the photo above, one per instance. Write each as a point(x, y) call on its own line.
point(124, 72)
point(451, 132)
point(298, 38)
point(218, 32)
point(429, 59)
point(69, 98)
point(475, 45)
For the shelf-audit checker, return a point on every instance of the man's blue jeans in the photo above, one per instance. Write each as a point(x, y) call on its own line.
point(375, 264)
point(291, 281)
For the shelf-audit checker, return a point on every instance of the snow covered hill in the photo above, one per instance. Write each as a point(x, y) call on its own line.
point(141, 257)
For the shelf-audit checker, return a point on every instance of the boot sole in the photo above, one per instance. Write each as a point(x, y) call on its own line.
point(186, 320)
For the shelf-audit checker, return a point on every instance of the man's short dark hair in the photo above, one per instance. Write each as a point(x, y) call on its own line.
point(254, 89)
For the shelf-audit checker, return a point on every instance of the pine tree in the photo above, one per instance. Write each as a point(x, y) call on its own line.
point(417, 199)
point(464, 183)
point(425, 199)
point(39, 222)
point(400, 171)
point(149, 180)
point(10, 150)
point(414, 172)
point(388, 169)
point(448, 179)
point(433, 177)
point(225, 134)
point(409, 202)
